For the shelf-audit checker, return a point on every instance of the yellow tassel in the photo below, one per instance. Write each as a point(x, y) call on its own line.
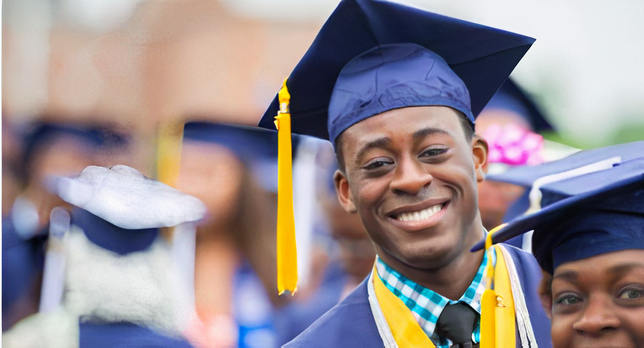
point(497, 305)
point(488, 319)
point(286, 250)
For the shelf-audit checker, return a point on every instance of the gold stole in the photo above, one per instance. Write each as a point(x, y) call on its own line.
point(408, 333)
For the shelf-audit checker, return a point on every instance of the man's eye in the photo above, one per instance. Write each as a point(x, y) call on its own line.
point(631, 294)
point(433, 152)
point(376, 164)
point(568, 300)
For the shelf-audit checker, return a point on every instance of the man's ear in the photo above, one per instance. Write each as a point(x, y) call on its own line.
point(479, 153)
point(344, 192)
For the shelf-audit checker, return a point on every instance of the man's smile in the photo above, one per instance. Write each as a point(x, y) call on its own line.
point(419, 216)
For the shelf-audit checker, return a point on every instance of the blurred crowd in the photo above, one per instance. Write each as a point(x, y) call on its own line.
point(168, 93)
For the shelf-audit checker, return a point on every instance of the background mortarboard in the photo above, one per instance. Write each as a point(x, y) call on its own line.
point(482, 57)
point(126, 202)
point(584, 216)
point(512, 97)
point(534, 177)
point(527, 175)
point(255, 147)
point(248, 143)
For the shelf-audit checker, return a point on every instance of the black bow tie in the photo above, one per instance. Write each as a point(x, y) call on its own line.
point(456, 323)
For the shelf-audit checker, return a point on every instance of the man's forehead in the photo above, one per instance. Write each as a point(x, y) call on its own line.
point(412, 122)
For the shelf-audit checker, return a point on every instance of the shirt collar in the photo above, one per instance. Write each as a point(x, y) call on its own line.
point(427, 305)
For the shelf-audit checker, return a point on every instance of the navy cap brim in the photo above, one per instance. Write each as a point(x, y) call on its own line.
point(527, 175)
point(481, 56)
point(587, 190)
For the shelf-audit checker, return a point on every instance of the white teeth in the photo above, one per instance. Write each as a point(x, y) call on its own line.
point(420, 215)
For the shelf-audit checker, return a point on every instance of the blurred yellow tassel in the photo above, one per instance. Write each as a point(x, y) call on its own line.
point(286, 250)
point(498, 328)
point(168, 160)
point(168, 153)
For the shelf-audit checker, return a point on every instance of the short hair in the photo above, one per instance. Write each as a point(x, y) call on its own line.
point(468, 130)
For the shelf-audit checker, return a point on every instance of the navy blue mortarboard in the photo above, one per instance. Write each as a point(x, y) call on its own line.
point(513, 98)
point(92, 136)
point(255, 147)
point(121, 210)
point(43, 134)
point(248, 143)
point(527, 175)
point(374, 56)
point(585, 216)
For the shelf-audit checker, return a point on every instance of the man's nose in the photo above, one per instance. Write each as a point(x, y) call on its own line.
point(598, 316)
point(410, 176)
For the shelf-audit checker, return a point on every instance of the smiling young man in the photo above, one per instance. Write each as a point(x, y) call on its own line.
point(397, 90)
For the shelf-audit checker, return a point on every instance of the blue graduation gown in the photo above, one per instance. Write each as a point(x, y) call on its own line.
point(125, 335)
point(22, 264)
point(351, 323)
point(294, 318)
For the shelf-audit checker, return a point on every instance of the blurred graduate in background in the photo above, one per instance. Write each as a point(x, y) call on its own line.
point(47, 148)
point(513, 125)
point(114, 282)
point(233, 170)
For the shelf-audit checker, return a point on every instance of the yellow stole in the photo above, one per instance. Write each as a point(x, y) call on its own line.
point(407, 333)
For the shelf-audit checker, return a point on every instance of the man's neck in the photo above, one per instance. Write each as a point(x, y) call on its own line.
point(450, 280)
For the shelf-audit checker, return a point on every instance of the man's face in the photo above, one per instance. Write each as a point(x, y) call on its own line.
point(412, 176)
point(599, 301)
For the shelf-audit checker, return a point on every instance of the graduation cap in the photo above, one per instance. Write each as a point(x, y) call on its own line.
point(513, 98)
point(585, 216)
point(121, 210)
point(511, 144)
point(527, 176)
point(374, 56)
point(43, 134)
point(255, 147)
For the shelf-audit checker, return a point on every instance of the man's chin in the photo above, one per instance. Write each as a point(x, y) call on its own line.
point(430, 258)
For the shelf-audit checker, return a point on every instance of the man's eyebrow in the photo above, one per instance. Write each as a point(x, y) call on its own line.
point(422, 133)
point(377, 143)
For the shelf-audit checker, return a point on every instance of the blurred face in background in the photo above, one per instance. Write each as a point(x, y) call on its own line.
point(495, 197)
point(213, 174)
point(58, 157)
point(63, 157)
point(356, 251)
point(494, 200)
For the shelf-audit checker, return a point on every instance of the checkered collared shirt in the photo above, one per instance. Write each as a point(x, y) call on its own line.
point(426, 305)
